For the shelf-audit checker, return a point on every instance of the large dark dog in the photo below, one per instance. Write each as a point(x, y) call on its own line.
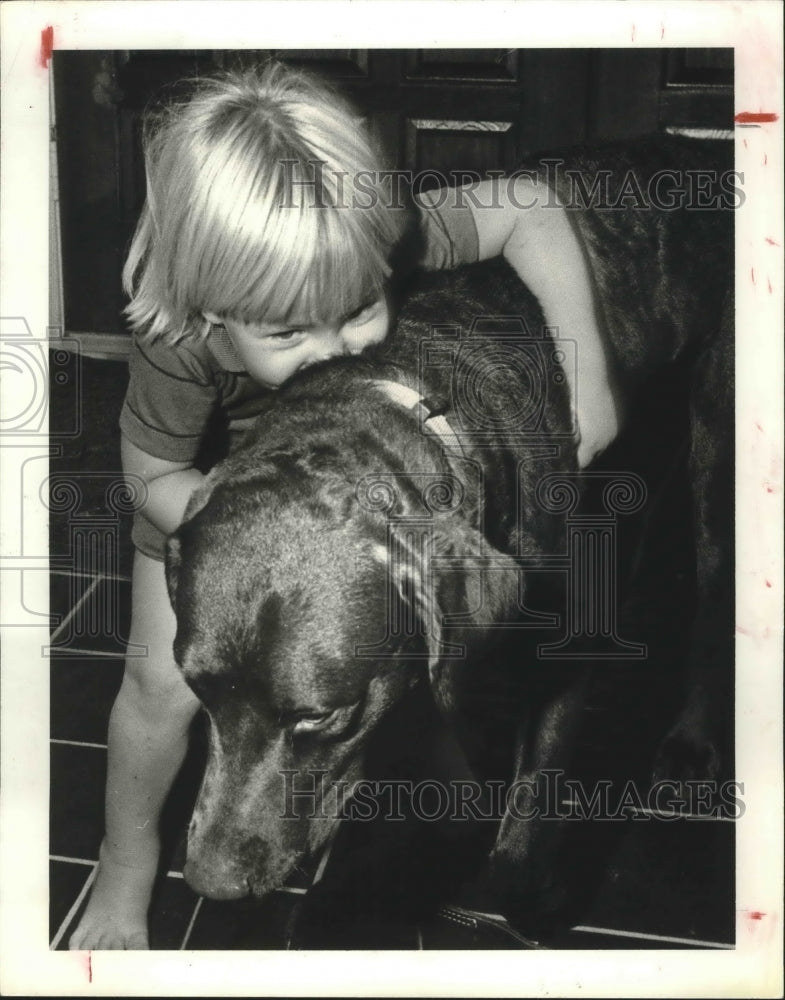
point(368, 541)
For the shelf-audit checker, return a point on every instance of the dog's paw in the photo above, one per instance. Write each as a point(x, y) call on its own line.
point(531, 896)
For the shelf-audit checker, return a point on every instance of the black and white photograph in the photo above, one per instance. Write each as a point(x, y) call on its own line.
point(391, 509)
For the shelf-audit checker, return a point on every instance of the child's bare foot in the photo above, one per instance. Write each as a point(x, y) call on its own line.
point(116, 914)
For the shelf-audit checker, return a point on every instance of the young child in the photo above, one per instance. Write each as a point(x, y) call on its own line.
point(249, 263)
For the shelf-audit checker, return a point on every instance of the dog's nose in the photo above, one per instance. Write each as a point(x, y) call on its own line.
point(214, 883)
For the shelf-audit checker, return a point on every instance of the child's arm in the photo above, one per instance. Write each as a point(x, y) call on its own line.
point(169, 484)
point(524, 221)
point(534, 234)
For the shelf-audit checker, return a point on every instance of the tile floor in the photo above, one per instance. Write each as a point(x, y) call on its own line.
point(647, 885)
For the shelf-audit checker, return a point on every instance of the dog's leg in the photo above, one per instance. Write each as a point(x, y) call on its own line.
point(702, 735)
point(523, 860)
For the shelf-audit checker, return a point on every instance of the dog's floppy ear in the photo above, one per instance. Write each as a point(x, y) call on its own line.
point(455, 587)
point(197, 501)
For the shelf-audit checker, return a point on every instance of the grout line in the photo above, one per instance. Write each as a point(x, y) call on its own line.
point(662, 813)
point(71, 861)
point(79, 743)
point(92, 657)
point(695, 942)
point(69, 652)
point(295, 890)
point(72, 912)
point(174, 874)
point(72, 612)
point(691, 816)
point(419, 939)
point(191, 923)
point(67, 571)
point(615, 933)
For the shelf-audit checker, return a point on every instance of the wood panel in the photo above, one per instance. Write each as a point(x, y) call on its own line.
point(438, 151)
point(697, 89)
point(339, 64)
point(462, 65)
point(699, 68)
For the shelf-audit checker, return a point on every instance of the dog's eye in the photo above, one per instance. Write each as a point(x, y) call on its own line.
point(313, 722)
point(333, 722)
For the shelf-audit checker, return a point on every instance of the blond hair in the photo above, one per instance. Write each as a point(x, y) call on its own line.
point(247, 212)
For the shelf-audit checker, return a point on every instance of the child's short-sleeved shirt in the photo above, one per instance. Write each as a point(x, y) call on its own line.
point(173, 389)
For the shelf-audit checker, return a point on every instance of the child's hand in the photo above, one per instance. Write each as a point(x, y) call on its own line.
point(169, 484)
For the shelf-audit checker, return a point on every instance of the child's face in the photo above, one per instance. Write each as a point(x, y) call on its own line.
point(273, 352)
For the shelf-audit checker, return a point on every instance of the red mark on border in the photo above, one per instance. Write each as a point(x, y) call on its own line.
point(752, 274)
point(771, 242)
point(47, 44)
point(632, 36)
point(86, 960)
point(662, 31)
point(768, 583)
point(768, 282)
point(755, 117)
point(756, 915)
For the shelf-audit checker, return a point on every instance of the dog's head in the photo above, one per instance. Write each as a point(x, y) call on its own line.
point(301, 622)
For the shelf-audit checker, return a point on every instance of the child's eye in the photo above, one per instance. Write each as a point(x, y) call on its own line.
point(363, 312)
point(284, 336)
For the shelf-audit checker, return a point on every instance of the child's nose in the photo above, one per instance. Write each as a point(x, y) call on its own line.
point(334, 344)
